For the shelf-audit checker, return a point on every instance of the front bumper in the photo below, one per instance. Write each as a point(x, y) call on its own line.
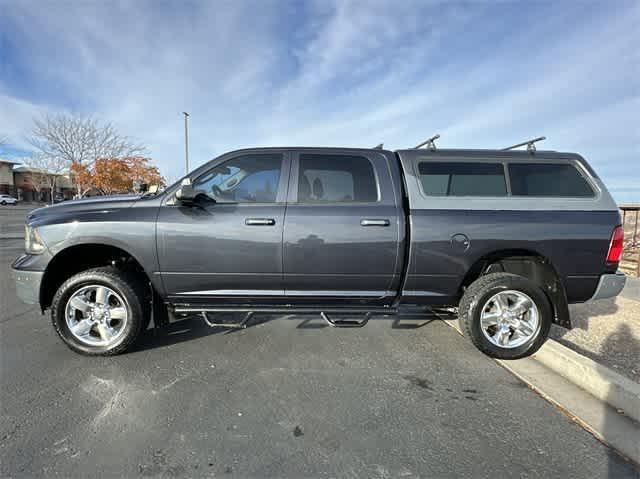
point(610, 285)
point(27, 285)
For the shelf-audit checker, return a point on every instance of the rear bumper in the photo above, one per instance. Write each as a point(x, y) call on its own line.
point(610, 285)
point(27, 285)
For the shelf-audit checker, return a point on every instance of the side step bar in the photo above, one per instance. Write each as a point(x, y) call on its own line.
point(324, 314)
point(346, 323)
point(241, 325)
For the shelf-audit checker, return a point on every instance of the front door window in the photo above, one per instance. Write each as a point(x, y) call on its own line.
point(245, 179)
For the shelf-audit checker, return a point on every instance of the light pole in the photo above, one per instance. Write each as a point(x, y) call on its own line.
point(186, 140)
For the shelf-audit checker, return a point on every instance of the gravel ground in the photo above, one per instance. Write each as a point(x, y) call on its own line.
point(607, 331)
point(631, 256)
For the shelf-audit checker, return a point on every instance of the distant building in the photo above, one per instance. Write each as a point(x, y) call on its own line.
point(28, 185)
point(7, 185)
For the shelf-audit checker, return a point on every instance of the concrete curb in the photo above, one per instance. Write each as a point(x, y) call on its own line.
point(579, 386)
point(604, 422)
point(601, 382)
point(598, 380)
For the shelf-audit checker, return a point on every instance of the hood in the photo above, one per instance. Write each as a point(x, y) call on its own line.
point(85, 205)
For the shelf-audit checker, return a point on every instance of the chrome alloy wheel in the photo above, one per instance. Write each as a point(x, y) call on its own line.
point(96, 315)
point(509, 319)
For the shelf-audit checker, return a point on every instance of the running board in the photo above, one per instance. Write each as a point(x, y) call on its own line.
point(250, 311)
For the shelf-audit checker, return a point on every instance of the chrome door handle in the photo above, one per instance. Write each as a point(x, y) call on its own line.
point(374, 222)
point(259, 222)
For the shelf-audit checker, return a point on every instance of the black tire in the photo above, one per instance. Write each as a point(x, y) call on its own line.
point(127, 285)
point(3, 203)
point(477, 295)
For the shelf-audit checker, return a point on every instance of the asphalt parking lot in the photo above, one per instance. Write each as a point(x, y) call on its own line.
point(287, 397)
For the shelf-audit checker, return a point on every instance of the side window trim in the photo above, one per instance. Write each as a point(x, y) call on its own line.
point(292, 196)
point(294, 175)
point(507, 178)
point(589, 178)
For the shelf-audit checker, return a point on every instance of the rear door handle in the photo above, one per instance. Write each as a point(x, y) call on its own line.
point(374, 222)
point(259, 222)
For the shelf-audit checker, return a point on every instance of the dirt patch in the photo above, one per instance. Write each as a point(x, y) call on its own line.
point(607, 331)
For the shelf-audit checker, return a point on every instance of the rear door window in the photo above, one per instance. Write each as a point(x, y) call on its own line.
point(539, 179)
point(336, 179)
point(439, 178)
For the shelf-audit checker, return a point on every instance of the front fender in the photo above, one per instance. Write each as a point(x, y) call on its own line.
point(129, 229)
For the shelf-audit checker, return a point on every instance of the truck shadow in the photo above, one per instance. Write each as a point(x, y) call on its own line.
point(193, 327)
point(188, 329)
point(621, 341)
point(584, 321)
point(584, 315)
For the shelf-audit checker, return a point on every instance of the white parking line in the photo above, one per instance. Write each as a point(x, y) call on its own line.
point(12, 247)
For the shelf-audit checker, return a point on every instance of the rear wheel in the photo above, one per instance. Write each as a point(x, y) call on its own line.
point(505, 315)
point(3, 202)
point(100, 311)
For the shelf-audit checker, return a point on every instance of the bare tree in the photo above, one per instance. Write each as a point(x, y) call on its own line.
point(79, 140)
point(47, 171)
point(38, 180)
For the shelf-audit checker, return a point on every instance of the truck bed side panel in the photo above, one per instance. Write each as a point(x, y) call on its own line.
point(450, 234)
point(575, 242)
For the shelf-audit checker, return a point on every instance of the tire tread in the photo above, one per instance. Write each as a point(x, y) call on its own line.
point(468, 304)
point(135, 296)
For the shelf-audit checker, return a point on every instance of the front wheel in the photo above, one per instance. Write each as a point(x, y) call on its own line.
point(3, 203)
point(506, 316)
point(100, 312)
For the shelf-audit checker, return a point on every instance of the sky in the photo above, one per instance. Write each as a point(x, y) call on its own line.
point(332, 73)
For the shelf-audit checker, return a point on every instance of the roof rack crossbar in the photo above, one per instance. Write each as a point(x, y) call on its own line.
point(430, 143)
point(531, 144)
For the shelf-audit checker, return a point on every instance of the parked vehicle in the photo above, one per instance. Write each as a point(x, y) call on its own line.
point(510, 237)
point(7, 200)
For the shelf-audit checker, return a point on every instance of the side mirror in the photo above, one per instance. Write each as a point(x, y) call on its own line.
point(186, 193)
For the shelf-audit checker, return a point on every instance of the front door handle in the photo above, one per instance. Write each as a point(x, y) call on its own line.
point(374, 222)
point(259, 222)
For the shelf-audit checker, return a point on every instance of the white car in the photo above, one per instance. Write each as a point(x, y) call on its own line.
point(7, 200)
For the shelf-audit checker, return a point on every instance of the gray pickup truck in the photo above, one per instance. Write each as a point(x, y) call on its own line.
point(509, 237)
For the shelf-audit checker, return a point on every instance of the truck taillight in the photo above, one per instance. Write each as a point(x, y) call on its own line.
point(615, 247)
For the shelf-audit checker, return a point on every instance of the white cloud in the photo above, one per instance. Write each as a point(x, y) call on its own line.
point(17, 117)
point(333, 73)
